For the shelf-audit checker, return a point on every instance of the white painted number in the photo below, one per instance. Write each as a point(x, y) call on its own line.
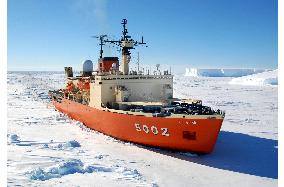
point(146, 129)
point(137, 126)
point(165, 132)
point(154, 129)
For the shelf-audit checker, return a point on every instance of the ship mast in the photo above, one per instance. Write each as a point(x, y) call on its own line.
point(126, 44)
point(138, 62)
point(101, 38)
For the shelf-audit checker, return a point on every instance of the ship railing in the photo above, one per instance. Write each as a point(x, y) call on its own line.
point(172, 115)
point(180, 109)
point(122, 77)
point(56, 95)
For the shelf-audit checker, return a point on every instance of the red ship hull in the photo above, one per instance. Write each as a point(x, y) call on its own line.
point(195, 135)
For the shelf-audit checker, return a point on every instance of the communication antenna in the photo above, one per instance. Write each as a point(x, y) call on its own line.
point(157, 66)
point(138, 60)
point(101, 38)
point(125, 44)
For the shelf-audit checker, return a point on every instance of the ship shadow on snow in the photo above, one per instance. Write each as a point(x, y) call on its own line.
point(239, 153)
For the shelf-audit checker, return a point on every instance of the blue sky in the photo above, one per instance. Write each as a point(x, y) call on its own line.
point(51, 34)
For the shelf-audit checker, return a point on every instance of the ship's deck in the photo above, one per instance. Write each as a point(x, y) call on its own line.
point(186, 116)
point(137, 111)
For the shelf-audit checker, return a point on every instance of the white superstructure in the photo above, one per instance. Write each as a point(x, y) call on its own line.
point(110, 89)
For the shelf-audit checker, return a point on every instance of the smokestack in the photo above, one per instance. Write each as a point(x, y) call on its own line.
point(68, 71)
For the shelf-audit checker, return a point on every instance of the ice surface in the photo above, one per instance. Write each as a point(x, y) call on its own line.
point(72, 144)
point(260, 79)
point(196, 72)
point(65, 168)
point(13, 138)
point(50, 149)
point(62, 146)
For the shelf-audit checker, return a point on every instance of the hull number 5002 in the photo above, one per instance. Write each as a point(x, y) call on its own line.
point(152, 129)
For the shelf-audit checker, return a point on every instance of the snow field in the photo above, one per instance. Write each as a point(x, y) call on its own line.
point(45, 148)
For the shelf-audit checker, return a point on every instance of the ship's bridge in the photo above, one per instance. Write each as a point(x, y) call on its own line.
point(110, 89)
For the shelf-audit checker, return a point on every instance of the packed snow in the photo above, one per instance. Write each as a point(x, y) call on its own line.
point(63, 146)
point(67, 167)
point(46, 148)
point(13, 138)
point(196, 72)
point(260, 79)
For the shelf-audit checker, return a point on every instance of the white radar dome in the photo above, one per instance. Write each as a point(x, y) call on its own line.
point(87, 66)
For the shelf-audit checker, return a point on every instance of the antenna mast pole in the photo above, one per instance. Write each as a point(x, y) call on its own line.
point(138, 61)
point(126, 43)
point(101, 38)
point(101, 44)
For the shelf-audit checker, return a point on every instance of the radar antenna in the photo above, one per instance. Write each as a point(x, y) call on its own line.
point(126, 44)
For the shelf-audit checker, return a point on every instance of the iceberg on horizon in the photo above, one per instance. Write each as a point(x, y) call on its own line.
point(195, 72)
point(260, 79)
